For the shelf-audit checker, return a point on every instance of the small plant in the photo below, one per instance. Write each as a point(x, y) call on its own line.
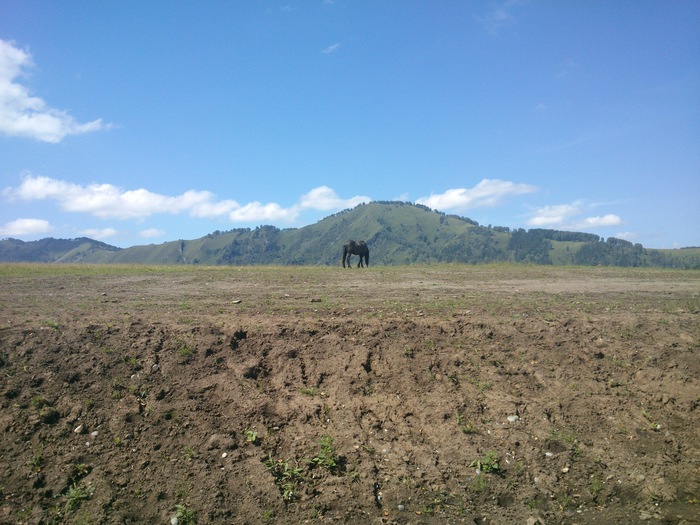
point(479, 484)
point(469, 429)
point(616, 361)
point(287, 477)
point(488, 463)
point(251, 436)
point(52, 324)
point(653, 425)
point(117, 388)
point(327, 456)
point(563, 437)
point(309, 391)
point(564, 502)
point(596, 486)
point(77, 493)
point(117, 441)
point(190, 453)
point(185, 516)
point(80, 470)
point(184, 350)
point(38, 460)
point(39, 402)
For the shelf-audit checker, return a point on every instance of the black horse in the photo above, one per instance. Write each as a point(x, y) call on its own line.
point(351, 248)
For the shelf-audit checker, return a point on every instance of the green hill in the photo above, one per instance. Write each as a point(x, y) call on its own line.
point(396, 232)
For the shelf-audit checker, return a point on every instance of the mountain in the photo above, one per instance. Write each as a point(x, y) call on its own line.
point(56, 250)
point(396, 232)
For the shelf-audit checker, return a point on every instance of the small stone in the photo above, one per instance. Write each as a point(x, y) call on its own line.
point(79, 429)
point(94, 433)
point(401, 508)
point(645, 515)
point(224, 455)
point(549, 454)
point(513, 419)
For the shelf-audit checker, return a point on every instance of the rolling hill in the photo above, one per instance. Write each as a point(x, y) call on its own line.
point(397, 233)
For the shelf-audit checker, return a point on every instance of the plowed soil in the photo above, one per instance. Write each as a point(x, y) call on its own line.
point(428, 394)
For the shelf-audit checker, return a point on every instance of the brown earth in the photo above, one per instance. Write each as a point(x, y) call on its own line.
point(438, 394)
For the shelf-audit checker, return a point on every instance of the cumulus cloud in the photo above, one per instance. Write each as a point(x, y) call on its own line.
point(567, 216)
point(488, 192)
point(557, 215)
point(24, 115)
point(256, 212)
point(98, 234)
point(25, 227)
point(606, 220)
point(108, 201)
point(324, 198)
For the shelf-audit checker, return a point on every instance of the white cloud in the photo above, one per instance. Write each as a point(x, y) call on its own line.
point(488, 192)
point(324, 198)
point(331, 49)
point(566, 216)
point(151, 232)
point(25, 227)
point(23, 115)
point(256, 212)
point(500, 17)
point(606, 220)
point(628, 236)
point(556, 215)
point(98, 234)
point(108, 201)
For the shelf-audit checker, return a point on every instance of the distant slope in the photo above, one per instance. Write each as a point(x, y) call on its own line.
point(56, 250)
point(396, 232)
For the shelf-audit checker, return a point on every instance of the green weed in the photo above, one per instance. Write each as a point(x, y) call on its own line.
point(309, 391)
point(327, 456)
point(184, 515)
point(287, 477)
point(37, 461)
point(251, 436)
point(488, 463)
point(596, 486)
point(77, 493)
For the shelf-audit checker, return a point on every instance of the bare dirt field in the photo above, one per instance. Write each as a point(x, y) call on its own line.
point(428, 394)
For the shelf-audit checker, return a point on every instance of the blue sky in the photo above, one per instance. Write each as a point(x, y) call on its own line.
point(141, 122)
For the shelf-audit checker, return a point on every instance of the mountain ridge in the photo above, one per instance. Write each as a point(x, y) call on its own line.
point(397, 233)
